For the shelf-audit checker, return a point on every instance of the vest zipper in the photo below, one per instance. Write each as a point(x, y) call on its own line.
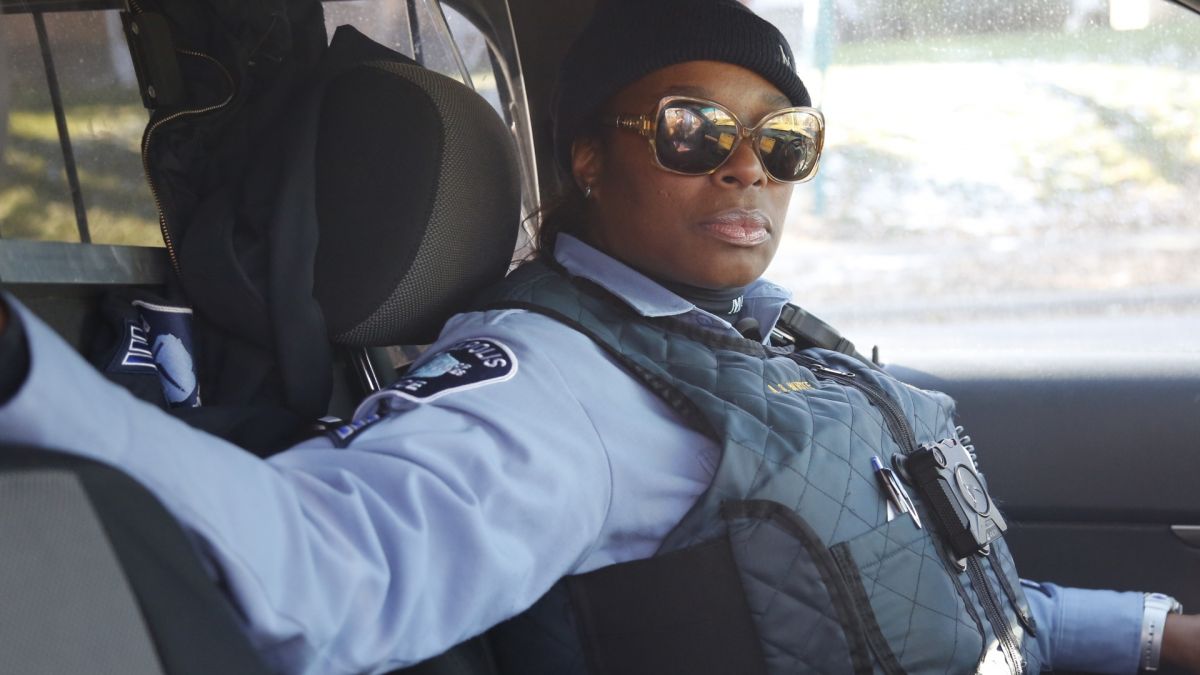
point(902, 433)
point(1007, 642)
point(893, 416)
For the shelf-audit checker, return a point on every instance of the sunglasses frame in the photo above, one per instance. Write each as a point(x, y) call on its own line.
point(646, 126)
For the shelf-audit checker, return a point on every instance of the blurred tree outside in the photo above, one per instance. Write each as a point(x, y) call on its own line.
point(979, 168)
point(105, 119)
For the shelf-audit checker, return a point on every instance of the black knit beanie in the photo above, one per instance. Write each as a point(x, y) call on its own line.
point(628, 39)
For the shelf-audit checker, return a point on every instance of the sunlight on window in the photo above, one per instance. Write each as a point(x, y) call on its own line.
point(984, 162)
point(104, 118)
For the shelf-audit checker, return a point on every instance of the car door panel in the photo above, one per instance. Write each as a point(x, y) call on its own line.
point(1093, 458)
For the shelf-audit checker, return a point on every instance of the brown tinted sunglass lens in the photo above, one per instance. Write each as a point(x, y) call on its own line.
point(789, 146)
point(692, 137)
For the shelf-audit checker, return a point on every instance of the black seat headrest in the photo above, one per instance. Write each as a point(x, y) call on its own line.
point(417, 199)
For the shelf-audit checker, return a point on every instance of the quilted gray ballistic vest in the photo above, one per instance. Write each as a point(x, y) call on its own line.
point(788, 562)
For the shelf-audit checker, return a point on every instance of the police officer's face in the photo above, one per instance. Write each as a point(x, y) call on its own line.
point(713, 231)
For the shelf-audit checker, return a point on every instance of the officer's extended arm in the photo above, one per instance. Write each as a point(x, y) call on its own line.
point(1181, 642)
point(422, 533)
point(14, 354)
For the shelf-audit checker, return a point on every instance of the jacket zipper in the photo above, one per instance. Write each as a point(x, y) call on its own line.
point(893, 416)
point(902, 433)
point(148, 137)
point(172, 253)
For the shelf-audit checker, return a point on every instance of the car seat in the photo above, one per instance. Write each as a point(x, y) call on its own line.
point(417, 200)
point(414, 181)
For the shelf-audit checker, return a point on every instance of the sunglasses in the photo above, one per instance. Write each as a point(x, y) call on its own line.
point(695, 136)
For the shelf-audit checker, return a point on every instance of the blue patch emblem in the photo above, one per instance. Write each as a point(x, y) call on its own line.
point(342, 435)
point(169, 330)
point(466, 365)
point(176, 370)
point(161, 343)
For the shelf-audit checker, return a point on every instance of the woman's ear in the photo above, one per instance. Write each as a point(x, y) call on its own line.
point(587, 162)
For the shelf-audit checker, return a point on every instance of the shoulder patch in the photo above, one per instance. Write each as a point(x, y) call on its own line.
point(159, 341)
point(466, 365)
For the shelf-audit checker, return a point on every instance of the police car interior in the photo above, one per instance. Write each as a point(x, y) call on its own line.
point(1006, 211)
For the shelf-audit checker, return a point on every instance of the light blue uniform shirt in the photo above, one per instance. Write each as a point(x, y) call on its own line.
point(454, 513)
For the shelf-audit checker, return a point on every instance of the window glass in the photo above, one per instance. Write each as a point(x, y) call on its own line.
point(391, 23)
point(437, 51)
point(500, 82)
point(1002, 175)
point(384, 21)
point(104, 118)
point(477, 57)
point(388, 22)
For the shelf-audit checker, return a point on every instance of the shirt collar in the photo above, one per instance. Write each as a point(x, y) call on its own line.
point(764, 300)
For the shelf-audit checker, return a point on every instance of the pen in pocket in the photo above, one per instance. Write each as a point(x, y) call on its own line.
point(897, 495)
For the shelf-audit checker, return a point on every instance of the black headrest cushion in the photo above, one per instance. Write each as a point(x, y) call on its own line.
point(418, 203)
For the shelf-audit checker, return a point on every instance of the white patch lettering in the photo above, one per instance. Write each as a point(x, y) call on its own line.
point(466, 365)
point(137, 349)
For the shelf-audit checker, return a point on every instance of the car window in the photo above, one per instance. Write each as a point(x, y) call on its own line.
point(71, 115)
point(92, 186)
point(476, 59)
point(433, 34)
point(415, 28)
point(1000, 175)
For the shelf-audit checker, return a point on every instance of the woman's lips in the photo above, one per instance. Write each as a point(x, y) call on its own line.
point(739, 227)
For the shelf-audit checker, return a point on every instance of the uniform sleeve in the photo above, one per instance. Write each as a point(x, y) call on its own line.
point(14, 357)
point(433, 525)
point(1086, 630)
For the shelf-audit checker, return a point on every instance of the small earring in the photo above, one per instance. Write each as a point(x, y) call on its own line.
point(587, 193)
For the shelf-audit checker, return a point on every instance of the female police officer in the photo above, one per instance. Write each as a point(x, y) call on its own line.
point(709, 502)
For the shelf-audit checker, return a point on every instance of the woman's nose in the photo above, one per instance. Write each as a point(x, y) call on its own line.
point(742, 169)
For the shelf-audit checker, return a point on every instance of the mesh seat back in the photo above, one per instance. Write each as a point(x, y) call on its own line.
point(418, 202)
